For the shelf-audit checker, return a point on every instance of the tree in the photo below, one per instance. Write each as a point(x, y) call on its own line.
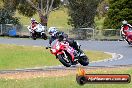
point(119, 10)
point(7, 11)
point(102, 8)
point(30, 7)
point(82, 12)
point(7, 17)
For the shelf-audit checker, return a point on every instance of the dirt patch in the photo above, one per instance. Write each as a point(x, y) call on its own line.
point(27, 75)
point(59, 73)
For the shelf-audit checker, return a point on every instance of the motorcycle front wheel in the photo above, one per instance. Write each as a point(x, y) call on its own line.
point(129, 43)
point(33, 36)
point(66, 62)
point(83, 60)
point(44, 36)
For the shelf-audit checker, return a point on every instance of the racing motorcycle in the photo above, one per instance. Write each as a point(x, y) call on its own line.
point(37, 32)
point(67, 55)
point(128, 36)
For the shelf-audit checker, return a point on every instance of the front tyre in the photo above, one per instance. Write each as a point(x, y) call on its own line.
point(129, 43)
point(83, 60)
point(33, 36)
point(66, 62)
point(44, 36)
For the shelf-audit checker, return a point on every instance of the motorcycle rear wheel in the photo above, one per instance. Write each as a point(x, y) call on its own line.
point(63, 61)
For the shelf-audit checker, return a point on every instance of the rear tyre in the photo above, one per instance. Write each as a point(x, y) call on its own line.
point(83, 60)
point(66, 63)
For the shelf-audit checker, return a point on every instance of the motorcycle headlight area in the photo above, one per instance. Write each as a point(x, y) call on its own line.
point(53, 50)
point(58, 47)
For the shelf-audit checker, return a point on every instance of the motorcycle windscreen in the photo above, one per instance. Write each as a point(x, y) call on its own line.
point(40, 28)
point(54, 43)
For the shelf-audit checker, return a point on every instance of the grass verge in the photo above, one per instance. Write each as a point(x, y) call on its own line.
point(65, 81)
point(13, 57)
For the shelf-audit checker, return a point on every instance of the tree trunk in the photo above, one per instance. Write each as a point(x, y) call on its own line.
point(43, 18)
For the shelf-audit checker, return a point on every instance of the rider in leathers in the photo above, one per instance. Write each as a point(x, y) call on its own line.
point(124, 28)
point(61, 36)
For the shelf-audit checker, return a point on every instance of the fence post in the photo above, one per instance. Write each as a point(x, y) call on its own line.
point(120, 35)
point(93, 34)
point(1, 28)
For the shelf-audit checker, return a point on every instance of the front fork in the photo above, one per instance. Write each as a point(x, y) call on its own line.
point(65, 56)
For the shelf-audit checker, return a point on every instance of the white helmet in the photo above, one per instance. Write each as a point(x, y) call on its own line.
point(32, 19)
point(52, 30)
point(124, 22)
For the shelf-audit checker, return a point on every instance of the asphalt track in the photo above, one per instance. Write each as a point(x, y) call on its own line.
point(120, 48)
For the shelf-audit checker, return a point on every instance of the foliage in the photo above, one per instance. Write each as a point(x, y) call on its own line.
point(102, 8)
point(1, 4)
point(6, 17)
point(25, 8)
point(82, 12)
point(7, 11)
point(119, 10)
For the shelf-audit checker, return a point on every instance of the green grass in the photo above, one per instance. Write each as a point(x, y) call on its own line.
point(64, 82)
point(13, 57)
point(57, 18)
point(97, 55)
point(99, 22)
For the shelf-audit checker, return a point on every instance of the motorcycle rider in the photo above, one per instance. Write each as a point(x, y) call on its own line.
point(53, 32)
point(34, 24)
point(61, 36)
point(124, 28)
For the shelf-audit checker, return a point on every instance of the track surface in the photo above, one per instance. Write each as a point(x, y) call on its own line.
point(119, 47)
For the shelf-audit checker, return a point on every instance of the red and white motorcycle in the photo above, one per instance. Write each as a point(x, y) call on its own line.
point(128, 36)
point(67, 55)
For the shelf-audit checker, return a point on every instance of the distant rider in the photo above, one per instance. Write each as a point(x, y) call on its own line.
point(53, 32)
point(34, 24)
point(124, 28)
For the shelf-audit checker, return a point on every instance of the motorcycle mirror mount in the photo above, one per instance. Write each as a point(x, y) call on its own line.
point(47, 47)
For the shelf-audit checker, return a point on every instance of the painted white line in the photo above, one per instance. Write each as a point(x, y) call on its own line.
point(114, 57)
